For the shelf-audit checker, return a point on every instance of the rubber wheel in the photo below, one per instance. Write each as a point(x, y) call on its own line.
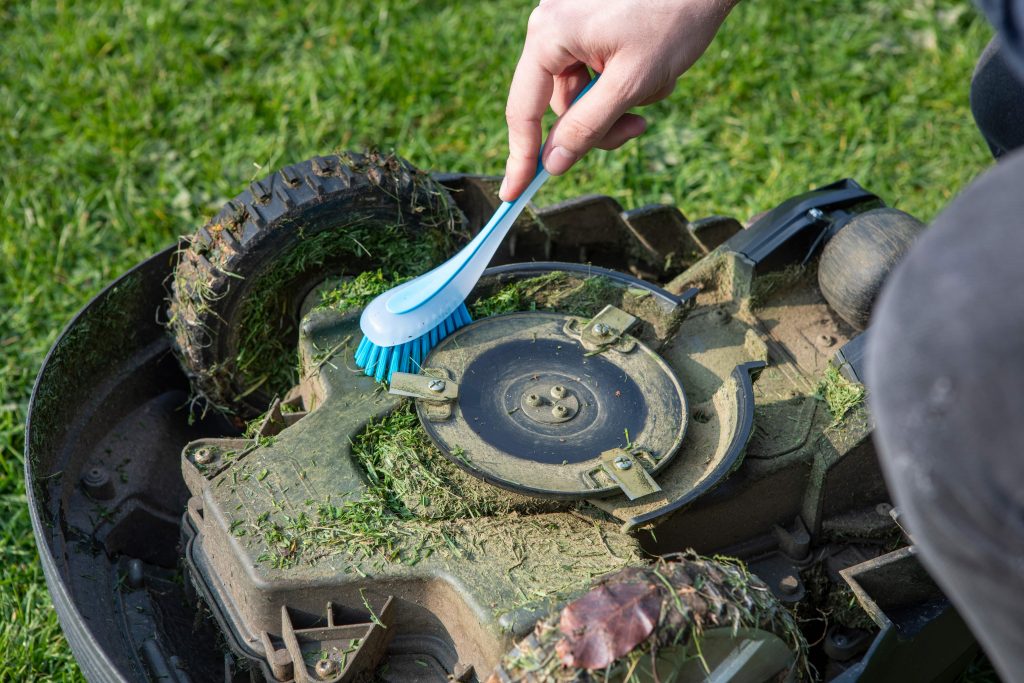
point(241, 278)
point(856, 261)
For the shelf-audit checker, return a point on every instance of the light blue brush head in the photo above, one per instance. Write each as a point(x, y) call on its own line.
point(402, 325)
point(380, 362)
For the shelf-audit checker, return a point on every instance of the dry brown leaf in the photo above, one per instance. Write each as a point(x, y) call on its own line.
point(607, 623)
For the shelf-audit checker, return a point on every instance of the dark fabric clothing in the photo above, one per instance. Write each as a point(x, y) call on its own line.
point(945, 372)
point(945, 366)
point(1008, 18)
point(997, 101)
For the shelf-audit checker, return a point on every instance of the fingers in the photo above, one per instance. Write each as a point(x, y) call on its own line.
point(568, 85)
point(660, 94)
point(622, 131)
point(528, 98)
point(586, 124)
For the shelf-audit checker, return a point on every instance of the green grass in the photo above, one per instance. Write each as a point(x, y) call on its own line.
point(839, 394)
point(123, 125)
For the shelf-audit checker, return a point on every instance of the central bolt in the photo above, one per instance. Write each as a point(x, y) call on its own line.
point(325, 668)
point(558, 391)
point(623, 462)
point(204, 456)
point(602, 330)
point(436, 385)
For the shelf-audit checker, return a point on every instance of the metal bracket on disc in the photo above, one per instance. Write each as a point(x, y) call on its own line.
point(629, 473)
point(434, 390)
point(605, 330)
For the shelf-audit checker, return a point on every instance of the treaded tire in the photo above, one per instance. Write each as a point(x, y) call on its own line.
point(240, 279)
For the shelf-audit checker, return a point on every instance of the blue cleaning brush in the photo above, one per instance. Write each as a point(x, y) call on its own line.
point(401, 325)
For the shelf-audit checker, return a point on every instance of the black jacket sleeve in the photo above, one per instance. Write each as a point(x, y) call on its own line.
point(1008, 18)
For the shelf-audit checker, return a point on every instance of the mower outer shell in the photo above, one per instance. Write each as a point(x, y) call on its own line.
point(61, 433)
point(89, 651)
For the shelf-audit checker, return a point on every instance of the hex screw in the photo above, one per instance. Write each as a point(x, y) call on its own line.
point(559, 411)
point(325, 668)
point(533, 400)
point(204, 456)
point(602, 330)
point(623, 462)
point(558, 391)
point(436, 385)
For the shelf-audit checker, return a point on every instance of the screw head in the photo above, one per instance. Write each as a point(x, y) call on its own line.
point(816, 213)
point(325, 668)
point(789, 584)
point(204, 456)
point(533, 400)
point(559, 411)
point(623, 462)
point(602, 330)
point(436, 385)
point(558, 391)
point(826, 340)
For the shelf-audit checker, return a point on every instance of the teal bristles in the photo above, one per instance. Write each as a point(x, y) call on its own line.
point(380, 362)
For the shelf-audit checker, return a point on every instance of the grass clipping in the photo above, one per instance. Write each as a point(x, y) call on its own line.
point(839, 394)
point(584, 296)
point(643, 617)
point(415, 502)
point(566, 293)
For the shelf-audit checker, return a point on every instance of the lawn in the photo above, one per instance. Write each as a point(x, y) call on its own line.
point(124, 125)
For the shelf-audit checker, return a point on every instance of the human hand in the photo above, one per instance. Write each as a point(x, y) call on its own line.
point(640, 47)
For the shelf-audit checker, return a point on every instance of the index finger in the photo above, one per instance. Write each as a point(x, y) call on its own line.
point(528, 99)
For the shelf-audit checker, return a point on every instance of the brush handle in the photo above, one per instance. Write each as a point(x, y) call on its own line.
point(453, 280)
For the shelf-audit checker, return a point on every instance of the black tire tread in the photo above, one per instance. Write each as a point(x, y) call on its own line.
point(220, 263)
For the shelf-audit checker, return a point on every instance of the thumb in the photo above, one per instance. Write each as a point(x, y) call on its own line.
point(586, 123)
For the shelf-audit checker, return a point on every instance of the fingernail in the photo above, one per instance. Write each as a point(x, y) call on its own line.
point(504, 184)
point(559, 161)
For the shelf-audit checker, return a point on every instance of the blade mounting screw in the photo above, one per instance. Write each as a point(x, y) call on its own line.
point(204, 456)
point(325, 668)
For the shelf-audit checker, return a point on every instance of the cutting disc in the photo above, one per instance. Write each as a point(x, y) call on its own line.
point(536, 411)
